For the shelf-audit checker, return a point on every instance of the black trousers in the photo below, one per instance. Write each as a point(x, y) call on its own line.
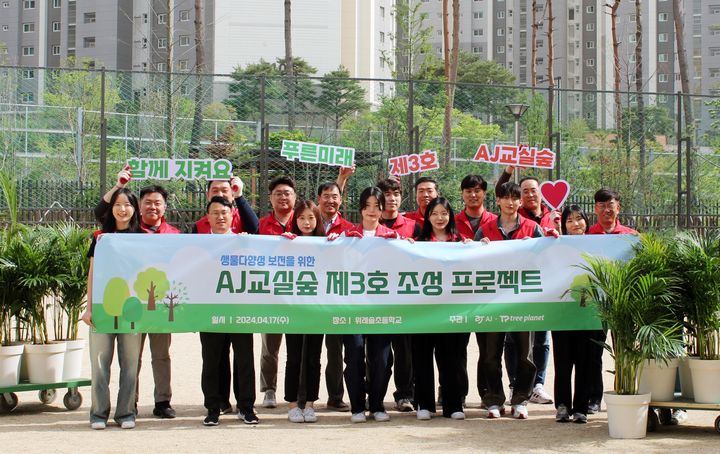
point(302, 368)
point(243, 370)
point(491, 350)
point(377, 371)
point(572, 350)
point(447, 348)
point(334, 367)
point(595, 365)
point(402, 366)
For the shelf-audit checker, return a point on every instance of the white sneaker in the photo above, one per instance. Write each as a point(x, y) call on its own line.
point(519, 411)
point(295, 415)
point(98, 425)
point(424, 415)
point(381, 416)
point(458, 415)
point(540, 396)
point(127, 424)
point(358, 417)
point(309, 414)
point(269, 400)
point(493, 412)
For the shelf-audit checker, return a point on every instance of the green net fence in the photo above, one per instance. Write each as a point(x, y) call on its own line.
point(55, 124)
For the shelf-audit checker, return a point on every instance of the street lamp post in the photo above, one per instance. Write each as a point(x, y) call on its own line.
point(517, 111)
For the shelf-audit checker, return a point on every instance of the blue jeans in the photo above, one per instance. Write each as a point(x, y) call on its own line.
point(540, 356)
point(102, 350)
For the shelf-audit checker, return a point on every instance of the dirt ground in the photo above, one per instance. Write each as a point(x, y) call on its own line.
point(35, 427)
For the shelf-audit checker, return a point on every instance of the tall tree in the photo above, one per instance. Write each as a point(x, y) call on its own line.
point(289, 66)
point(616, 62)
point(451, 64)
point(550, 73)
point(199, 70)
point(639, 87)
point(678, 19)
point(340, 96)
point(169, 112)
point(533, 45)
point(412, 48)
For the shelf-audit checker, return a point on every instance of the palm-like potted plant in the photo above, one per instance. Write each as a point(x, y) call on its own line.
point(628, 296)
point(696, 260)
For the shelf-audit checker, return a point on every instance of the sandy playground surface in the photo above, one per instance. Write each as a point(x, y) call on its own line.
point(35, 427)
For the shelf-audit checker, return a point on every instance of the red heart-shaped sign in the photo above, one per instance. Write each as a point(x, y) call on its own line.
point(554, 193)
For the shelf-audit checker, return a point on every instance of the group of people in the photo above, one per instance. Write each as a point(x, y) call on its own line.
point(370, 360)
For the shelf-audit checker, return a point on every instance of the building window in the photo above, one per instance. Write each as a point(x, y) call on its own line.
point(5, 28)
point(56, 3)
point(714, 9)
point(662, 37)
point(382, 62)
point(382, 11)
point(382, 37)
point(182, 65)
point(633, 18)
point(26, 97)
point(663, 58)
point(663, 17)
point(501, 32)
point(478, 32)
point(184, 15)
point(381, 88)
point(540, 43)
point(590, 9)
point(662, 78)
point(478, 14)
point(29, 27)
point(89, 42)
point(161, 67)
point(476, 50)
point(56, 27)
point(28, 74)
point(501, 14)
point(89, 18)
point(28, 51)
point(662, 98)
point(145, 18)
point(184, 40)
point(631, 59)
point(162, 43)
point(589, 27)
point(29, 4)
point(632, 38)
point(539, 61)
point(590, 62)
point(589, 80)
point(500, 49)
point(590, 44)
point(56, 50)
point(162, 19)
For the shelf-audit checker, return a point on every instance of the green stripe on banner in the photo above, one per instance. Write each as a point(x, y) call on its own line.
point(360, 319)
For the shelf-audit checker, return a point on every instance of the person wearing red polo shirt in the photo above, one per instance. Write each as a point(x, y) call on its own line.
point(509, 226)
point(329, 202)
point(244, 218)
point(279, 221)
point(607, 209)
point(401, 343)
point(153, 203)
point(426, 189)
point(532, 208)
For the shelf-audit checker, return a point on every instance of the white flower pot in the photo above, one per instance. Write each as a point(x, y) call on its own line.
point(45, 362)
point(72, 367)
point(705, 378)
point(658, 379)
point(627, 414)
point(686, 384)
point(10, 356)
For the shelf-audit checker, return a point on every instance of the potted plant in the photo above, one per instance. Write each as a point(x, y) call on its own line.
point(696, 259)
point(71, 256)
point(627, 296)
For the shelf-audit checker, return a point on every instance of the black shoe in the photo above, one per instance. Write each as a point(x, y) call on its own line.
point(164, 410)
point(213, 418)
point(593, 408)
point(227, 409)
point(248, 417)
point(337, 405)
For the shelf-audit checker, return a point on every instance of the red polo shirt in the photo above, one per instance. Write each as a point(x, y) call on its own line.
point(597, 229)
point(463, 226)
point(404, 226)
point(269, 225)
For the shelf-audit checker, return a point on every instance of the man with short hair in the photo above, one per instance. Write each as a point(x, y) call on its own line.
point(426, 189)
point(607, 209)
point(531, 208)
point(508, 226)
point(279, 221)
point(244, 218)
point(153, 203)
point(219, 217)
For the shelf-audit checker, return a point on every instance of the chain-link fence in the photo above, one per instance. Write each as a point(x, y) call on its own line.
point(60, 127)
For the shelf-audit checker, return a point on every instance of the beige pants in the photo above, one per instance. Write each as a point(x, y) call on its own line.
point(160, 354)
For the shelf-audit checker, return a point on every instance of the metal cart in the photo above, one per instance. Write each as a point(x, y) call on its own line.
point(679, 403)
point(47, 393)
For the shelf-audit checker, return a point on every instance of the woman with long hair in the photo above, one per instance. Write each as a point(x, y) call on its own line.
point(124, 219)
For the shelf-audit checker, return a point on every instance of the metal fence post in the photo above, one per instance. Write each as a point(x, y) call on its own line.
point(264, 151)
point(103, 135)
point(678, 116)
